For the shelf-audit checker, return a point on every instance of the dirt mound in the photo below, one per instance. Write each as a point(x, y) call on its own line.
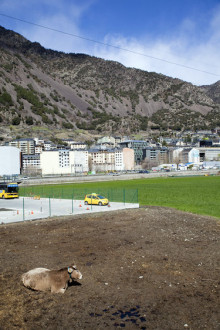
point(148, 268)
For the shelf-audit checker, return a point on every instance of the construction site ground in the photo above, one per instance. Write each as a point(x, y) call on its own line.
point(143, 268)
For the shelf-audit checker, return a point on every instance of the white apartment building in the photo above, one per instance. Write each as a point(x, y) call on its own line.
point(186, 155)
point(193, 156)
point(64, 161)
point(81, 161)
point(209, 153)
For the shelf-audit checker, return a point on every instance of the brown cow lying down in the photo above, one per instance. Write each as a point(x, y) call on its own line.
point(56, 281)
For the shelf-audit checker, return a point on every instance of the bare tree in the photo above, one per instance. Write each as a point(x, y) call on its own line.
point(90, 165)
point(177, 161)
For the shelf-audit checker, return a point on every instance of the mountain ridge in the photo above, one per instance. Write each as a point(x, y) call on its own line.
point(85, 96)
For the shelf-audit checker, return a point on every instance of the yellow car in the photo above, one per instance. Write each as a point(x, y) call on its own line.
point(95, 199)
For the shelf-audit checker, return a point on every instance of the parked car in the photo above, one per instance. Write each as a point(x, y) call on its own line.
point(25, 178)
point(143, 171)
point(95, 199)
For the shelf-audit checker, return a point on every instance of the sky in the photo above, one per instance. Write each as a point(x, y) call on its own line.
point(177, 38)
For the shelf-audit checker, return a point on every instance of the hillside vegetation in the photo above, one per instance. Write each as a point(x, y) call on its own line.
point(58, 94)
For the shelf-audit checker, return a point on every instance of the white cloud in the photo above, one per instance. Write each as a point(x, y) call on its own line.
point(203, 56)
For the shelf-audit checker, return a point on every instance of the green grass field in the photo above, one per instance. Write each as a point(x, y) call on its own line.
point(199, 195)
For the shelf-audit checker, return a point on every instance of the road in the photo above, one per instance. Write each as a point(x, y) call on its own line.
point(92, 178)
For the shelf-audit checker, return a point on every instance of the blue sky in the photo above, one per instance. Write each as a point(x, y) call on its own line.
point(185, 32)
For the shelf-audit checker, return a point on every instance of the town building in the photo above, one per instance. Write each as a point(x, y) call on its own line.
point(27, 146)
point(10, 161)
point(124, 159)
point(78, 145)
point(39, 149)
point(107, 141)
point(137, 146)
point(102, 159)
point(48, 145)
point(185, 155)
point(55, 162)
point(117, 159)
point(156, 154)
point(31, 164)
point(208, 154)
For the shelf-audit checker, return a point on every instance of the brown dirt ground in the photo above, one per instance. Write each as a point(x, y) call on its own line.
point(148, 268)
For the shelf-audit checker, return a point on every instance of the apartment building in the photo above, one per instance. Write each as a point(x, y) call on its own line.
point(208, 154)
point(102, 159)
point(137, 146)
point(156, 154)
point(78, 145)
point(31, 164)
point(124, 159)
point(39, 149)
point(64, 162)
point(118, 159)
point(27, 146)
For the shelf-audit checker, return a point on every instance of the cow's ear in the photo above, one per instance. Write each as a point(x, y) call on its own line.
point(70, 270)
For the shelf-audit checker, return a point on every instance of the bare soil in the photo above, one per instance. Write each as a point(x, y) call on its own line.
point(147, 268)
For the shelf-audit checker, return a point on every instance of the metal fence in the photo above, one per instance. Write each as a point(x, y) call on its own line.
point(122, 195)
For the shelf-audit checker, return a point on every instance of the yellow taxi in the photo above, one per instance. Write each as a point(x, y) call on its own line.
point(95, 199)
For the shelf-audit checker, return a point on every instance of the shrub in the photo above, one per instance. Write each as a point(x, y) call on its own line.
point(6, 99)
point(29, 120)
point(16, 121)
point(67, 125)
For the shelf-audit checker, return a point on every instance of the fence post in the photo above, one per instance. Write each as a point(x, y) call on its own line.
point(49, 208)
point(124, 195)
point(72, 202)
point(23, 208)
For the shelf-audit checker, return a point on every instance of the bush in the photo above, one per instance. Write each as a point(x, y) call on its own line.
point(67, 125)
point(16, 121)
point(29, 120)
point(6, 99)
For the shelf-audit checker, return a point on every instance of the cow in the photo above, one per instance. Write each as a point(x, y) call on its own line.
point(56, 281)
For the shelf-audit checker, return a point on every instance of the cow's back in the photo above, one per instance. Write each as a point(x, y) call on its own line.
point(37, 279)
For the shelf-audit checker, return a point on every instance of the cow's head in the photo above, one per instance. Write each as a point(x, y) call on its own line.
point(74, 273)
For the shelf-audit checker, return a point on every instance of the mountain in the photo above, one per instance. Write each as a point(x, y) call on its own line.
point(213, 91)
point(50, 93)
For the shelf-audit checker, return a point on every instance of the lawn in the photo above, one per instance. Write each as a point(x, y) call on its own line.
point(199, 195)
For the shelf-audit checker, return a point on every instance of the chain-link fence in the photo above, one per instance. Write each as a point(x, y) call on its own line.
point(38, 202)
point(122, 195)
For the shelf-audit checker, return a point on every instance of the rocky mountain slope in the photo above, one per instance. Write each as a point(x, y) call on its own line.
point(53, 93)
